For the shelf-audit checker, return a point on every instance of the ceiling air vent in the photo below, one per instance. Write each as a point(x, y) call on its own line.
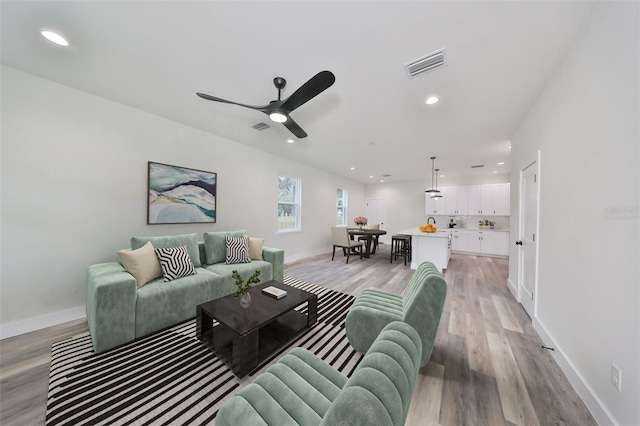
point(477, 166)
point(427, 63)
point(261, 126)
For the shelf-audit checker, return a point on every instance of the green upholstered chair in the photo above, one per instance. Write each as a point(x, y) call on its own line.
point(420, 305)
point(301, 389)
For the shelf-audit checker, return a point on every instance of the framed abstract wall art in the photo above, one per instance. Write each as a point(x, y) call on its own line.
point(180, 195)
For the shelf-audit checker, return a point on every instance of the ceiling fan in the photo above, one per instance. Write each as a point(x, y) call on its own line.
point(279, 110)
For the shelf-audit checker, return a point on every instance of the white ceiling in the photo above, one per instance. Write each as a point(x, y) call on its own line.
point(156, 55)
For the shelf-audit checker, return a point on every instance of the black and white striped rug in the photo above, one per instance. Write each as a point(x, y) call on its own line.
point(170, 378)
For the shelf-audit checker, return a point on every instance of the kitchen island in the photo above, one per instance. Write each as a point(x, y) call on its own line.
point(434, 247)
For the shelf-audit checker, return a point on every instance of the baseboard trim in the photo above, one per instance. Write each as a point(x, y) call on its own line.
point(590, 399)
point(37, 323)
point(302, 256)
point(513, 288)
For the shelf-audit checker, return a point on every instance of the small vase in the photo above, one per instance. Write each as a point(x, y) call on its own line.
point(360, 227)
point(245, 300)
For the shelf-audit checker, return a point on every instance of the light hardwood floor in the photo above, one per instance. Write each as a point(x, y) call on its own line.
point(487, 368)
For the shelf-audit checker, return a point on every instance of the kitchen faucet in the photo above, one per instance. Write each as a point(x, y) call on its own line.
point(431, 217)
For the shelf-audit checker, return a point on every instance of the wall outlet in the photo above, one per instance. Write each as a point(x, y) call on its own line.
point(616, 377)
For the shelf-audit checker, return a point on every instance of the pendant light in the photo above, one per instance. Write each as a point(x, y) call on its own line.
point(437, 195)
point(433, 190)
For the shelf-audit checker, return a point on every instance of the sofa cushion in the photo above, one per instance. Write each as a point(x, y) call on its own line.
point(215, 245)
point(237, 250)
point(175, 262)
point(255, 248)
point(244, 269)
point(142, 263)
point(160, 305)
point(189, 240)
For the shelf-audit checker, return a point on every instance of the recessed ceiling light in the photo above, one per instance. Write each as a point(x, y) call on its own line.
point(432, 100)
point(441, 175)
point(54, 38)
point(381, 181)
point(370, 177)
point(290, 141)
point(353, 168)
point(495, 171)
point(501, 163)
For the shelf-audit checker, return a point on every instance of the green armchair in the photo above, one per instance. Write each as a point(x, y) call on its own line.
point(419, 306)
point(301, 389)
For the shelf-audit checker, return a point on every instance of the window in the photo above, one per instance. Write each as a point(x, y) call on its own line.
point(341, 205)
point(289, 189)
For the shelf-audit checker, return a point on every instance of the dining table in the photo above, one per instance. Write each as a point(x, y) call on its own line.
point(371, 235)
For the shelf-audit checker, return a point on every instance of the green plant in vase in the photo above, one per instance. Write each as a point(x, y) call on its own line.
point(243, 287)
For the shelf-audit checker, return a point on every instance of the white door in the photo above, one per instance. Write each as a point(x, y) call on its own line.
point(375, 214)
point(528, 256)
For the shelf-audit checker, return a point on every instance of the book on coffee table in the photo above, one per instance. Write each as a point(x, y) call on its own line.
point(274, 292)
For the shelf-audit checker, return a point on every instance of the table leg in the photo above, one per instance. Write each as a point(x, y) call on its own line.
point(312, 311)
point(368, 246)
point(245, 353)
point(204, 324)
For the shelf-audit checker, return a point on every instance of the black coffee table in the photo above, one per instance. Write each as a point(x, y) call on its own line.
point(245, 337)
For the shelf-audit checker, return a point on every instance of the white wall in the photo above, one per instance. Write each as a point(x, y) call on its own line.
point(586, 126)
point(74, 190)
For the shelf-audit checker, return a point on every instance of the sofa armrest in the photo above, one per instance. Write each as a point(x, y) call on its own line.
point(111, 305)
point(276, 258)
point(382, 385)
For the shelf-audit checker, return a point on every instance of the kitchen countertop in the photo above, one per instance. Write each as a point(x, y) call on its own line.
point(440, 233)
point(478, 229)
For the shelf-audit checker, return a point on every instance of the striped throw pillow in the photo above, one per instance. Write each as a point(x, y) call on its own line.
point(237, 250)
point(175, 262)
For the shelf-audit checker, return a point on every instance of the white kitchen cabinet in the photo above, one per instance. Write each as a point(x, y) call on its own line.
point(474, 200)
point(490, 243)
point(434, 205)
point(500, 200)
point(457, 200)
point(502, 243)
point(488, 200)
point(460, 241)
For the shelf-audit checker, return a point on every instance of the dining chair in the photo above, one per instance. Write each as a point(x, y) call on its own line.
point(340, 238)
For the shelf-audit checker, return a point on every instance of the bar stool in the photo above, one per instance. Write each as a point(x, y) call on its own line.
point(401, 247)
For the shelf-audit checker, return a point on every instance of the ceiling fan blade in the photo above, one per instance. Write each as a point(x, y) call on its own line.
point(213, 98)
point(312, 88)
point(294, 128)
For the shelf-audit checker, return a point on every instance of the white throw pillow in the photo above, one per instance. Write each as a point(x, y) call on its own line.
point(255, 248)
point(141, 263)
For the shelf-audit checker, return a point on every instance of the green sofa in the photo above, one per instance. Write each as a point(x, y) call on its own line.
point(301, 389)
point(420, 306)
point(119, 312)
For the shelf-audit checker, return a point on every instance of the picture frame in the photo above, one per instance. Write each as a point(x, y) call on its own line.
point(180, 195)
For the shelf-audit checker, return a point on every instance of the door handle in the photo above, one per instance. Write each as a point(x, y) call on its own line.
point(518, 243)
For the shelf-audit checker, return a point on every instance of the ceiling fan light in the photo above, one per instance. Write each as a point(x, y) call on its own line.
point(436, 196)
point(278, 117)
